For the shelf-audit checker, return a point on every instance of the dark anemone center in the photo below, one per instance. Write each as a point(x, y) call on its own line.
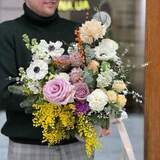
point(51, 48)
point(36, 69)
point(102, 54)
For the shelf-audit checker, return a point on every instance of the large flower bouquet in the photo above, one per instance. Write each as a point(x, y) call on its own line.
point(72, 91)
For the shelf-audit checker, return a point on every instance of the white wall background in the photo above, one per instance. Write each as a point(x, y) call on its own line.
point(9, 9)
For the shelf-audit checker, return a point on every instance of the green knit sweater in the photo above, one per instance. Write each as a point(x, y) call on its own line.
point(13, 54)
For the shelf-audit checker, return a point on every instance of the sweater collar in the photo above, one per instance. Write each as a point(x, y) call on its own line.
point(35, 18)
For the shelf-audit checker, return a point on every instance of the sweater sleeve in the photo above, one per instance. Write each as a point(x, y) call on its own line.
point(8, 68)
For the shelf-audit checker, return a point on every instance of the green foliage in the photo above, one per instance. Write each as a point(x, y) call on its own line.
point(105, 66)
point(102, 121)
point(114, 110)
point(90, 53)
point(27, 104)
point(89, 78)
point(14, 89)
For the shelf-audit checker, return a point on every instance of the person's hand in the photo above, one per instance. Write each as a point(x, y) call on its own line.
point(104, 132)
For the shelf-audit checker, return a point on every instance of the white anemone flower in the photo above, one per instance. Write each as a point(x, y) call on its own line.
point(107, 50)
point(46, 51)
point(55, 49)
point(37, 70)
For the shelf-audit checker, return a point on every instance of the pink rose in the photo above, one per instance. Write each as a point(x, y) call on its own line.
point(58, 91)
point(82, 91)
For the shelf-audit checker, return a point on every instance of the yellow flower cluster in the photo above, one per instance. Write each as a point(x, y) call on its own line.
point(55, 121)
point(87, 130)
point(119, 99)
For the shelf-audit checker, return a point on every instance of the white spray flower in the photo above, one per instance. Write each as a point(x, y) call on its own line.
point(34, 86)
point(105, 78)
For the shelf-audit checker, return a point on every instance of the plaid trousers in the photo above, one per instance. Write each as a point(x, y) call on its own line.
point(73, 151)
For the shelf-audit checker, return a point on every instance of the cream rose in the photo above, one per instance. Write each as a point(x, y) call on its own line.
point(121, 100)
point(112, 96)
point(119, 86)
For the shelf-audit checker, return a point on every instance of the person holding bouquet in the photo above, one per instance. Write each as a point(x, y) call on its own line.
point(40, 20)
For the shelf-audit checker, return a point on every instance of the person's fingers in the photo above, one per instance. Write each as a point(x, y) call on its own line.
point(104, 132)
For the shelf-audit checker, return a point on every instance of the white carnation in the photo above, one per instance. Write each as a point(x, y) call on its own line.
point(97, 100)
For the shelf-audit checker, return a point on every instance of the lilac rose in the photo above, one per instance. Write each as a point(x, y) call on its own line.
point(82, 91)
point(58, 91)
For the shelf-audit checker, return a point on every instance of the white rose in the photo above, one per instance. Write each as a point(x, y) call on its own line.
point(97, 100)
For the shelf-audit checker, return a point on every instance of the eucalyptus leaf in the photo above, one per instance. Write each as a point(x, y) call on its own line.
point(89, 78)
point(105, 123)
point(90, 53)
point(28, 102)
point(14, 89)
